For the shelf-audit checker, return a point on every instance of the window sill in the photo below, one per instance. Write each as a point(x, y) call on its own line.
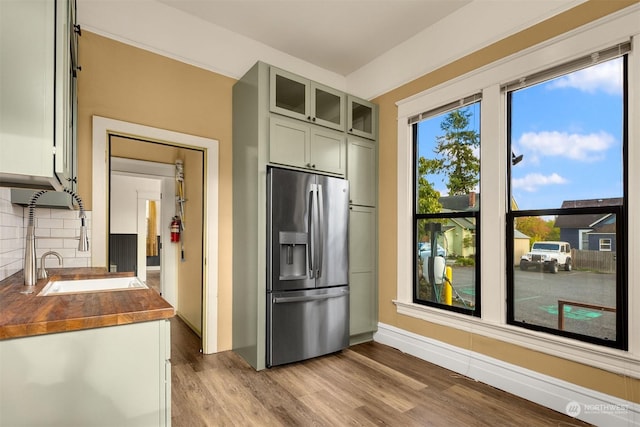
point(611, 360)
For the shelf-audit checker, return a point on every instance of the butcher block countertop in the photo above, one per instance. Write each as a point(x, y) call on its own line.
point(27, 315)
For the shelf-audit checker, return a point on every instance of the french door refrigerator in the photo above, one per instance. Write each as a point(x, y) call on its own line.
point(308, 265)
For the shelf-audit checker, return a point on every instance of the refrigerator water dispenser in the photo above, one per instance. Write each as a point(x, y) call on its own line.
point(293, 255)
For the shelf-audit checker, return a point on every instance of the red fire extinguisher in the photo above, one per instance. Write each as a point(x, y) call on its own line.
point(175, 229)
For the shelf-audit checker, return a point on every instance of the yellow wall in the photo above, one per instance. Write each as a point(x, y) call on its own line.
point(613, 384)
point(122, 82)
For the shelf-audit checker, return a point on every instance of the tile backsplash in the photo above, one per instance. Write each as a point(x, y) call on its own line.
point(11, 235)
point(56, 230)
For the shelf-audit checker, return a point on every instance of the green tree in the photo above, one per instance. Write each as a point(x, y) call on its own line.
point(554, 232)
point(427, 195)
point(536, 228)
point(455, 148)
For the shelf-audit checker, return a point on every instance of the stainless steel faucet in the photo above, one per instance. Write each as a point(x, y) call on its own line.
point(42, 272)
point(30, 244)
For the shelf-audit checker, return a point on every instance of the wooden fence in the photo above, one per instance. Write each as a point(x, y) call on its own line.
point(602, 262)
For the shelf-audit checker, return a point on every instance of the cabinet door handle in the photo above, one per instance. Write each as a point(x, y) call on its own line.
point(313, 119)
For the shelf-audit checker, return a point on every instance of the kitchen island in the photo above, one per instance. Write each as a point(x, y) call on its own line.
point(94, 358)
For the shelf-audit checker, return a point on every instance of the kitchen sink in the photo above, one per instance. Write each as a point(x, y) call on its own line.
point(57, 287)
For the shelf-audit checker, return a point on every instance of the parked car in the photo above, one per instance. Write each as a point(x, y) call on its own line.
point(547, 256)
point(425, 250)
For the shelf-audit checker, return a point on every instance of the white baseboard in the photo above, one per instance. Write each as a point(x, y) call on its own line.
point(582, 403)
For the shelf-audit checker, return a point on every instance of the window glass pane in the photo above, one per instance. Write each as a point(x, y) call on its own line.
point(445, 262)
point(448, 161)
point(557, 285)
point(569, 132)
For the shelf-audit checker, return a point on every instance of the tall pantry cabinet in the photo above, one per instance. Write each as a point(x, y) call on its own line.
point(286, 120)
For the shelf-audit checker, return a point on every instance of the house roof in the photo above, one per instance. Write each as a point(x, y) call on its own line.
point(587, 220)
point(590, 203)
point(461, 203)
point(605, 228)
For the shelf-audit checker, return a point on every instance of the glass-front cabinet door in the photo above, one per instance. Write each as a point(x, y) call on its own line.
point(289, 94)
point(302, 99)
point(362, 117)
point(327, 107)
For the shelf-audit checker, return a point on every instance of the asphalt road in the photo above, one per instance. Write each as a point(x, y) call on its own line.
point(537, 295)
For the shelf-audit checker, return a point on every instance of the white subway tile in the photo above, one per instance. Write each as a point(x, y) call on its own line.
point(49, 223)
point(10, 233)
point(71, 243)
point(39, 212)
point(66, 233)
point(49, 243)
point(85, 254)
point(75, 262)
point(64, 213)
point(41, 232)
point(72, 223)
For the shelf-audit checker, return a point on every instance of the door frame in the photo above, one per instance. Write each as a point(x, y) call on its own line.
point(103, 129)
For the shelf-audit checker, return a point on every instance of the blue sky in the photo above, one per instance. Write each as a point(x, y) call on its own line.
point(569, 131)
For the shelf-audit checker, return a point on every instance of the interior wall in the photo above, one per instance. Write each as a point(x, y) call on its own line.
point(122, 82)
point(123, 216)
point(596, 379)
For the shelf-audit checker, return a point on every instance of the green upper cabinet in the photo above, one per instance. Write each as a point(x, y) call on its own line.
point(303, 99)
point(362, 117)
point(296, 144)
point(361, 171)
point(38, 52)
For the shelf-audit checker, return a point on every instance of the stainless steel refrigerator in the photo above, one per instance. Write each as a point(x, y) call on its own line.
point(308, 265)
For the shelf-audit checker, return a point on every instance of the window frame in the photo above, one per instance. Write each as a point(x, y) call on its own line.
point(616, 28)
point(601, 245)
point(622, 319)
point(417, 217)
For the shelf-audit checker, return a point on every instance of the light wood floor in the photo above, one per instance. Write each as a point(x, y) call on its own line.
point(368, 384)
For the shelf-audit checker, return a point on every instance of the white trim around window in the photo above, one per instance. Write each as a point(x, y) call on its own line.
point(609, 31)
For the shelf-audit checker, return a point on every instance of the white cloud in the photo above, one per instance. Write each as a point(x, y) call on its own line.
point(605, 77)
point(581, 147)
point(533, 181)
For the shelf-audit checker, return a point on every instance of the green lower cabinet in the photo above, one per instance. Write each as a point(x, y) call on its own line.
point(363, 273)
point(111, 376)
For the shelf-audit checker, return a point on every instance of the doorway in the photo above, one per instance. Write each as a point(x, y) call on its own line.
point(141, 204)
point(104, 131)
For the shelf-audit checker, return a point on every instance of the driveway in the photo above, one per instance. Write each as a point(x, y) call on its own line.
point(537, 295)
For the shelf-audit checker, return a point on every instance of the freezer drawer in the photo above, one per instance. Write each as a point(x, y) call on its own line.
point(306, 324)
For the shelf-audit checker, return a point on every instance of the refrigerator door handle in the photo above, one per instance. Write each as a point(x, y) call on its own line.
point(284, 300)
point(320, 237)
point(311, 253)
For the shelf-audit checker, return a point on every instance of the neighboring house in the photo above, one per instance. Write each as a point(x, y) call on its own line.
point(460, 233)
point(595, 232)
point(520, 245)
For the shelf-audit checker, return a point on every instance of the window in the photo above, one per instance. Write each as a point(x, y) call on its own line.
point(605, 245)
point(561, 123)
point(446, 144)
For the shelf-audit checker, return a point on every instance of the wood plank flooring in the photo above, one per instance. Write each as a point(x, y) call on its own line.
point(365, 385)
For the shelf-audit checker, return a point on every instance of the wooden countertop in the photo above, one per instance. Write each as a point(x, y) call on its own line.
point(26, 315)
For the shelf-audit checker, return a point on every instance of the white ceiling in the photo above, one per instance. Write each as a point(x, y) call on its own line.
point(336, 35)
point(364, 47)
